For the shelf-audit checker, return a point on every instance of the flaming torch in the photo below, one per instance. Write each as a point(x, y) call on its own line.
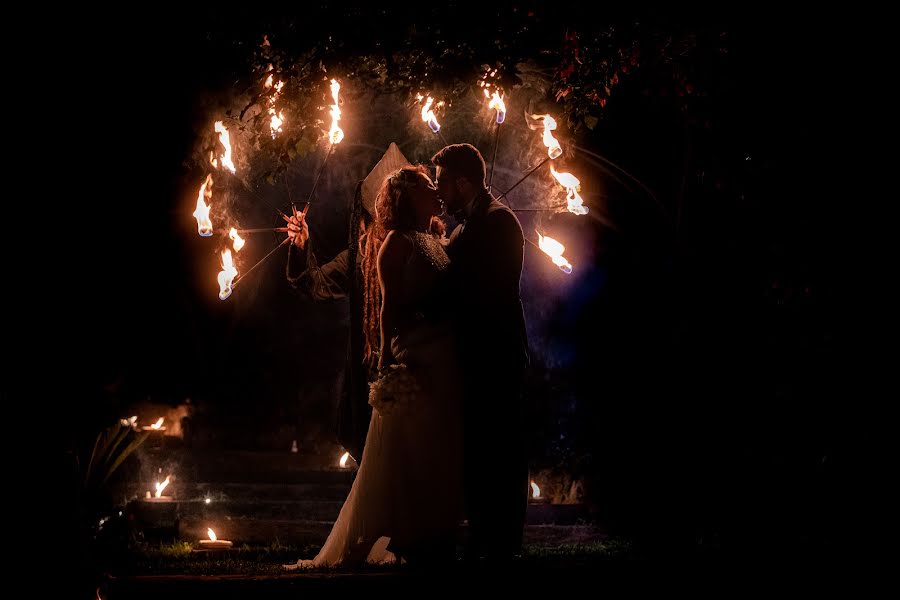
point(237, 239)
point(226, 275)
point(225, 139)
point(428, 115)
point(554, 250)
point(204, 225)
point(549, 124)
point(497, 104)
point(335, 134)
point(575, 205)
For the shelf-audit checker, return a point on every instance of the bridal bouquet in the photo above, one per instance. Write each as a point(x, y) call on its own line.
point(393, 389)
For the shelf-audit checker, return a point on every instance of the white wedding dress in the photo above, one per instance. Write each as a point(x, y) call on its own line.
point(408, 495)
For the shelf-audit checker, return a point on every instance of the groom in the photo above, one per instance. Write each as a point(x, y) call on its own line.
point(486, 251)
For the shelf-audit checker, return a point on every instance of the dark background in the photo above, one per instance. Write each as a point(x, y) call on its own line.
point(692, 373)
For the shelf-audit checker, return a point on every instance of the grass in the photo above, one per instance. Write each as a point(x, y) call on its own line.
point(179, 558)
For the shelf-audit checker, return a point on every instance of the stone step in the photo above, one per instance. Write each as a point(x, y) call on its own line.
point(183, 491)
point(309, 532)
point(243, 466)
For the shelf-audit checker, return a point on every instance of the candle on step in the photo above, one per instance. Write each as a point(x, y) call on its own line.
point(214, 543)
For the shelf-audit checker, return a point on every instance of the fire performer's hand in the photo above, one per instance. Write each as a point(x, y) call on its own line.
point(298, 230)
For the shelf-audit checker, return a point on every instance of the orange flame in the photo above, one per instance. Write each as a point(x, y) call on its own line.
point(204, 225)
point(554, 250)
point(226, 141)
point(344, 458)
point(238, 240)
point(277, 120)
point(497, 103)
point(428, 114)
point(161, 486)
point(535, 490)
point(549, 124)
point(226, 275)
point(573, 198)
point(158, 423)
point(335, 134)
point(211, 534)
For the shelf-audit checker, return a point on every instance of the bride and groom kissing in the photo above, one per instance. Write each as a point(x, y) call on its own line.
point(438, 350)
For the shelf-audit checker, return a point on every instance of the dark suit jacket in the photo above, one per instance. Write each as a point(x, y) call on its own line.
point(486, 253)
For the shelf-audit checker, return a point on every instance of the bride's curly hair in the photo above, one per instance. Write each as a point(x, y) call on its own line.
point(393, 210)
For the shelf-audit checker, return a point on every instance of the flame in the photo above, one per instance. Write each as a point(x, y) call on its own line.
point(211, 534)
point(344, 459)
point(226, 275)
point(497, 103)
point(277, 120)
point(238, 240)
point(204, 225)
point(226, 141)
point(158, 423)
point(161, 486)
point(554, 250)
point(129, 422)
point(428, 115)
point(268, 82)
point(535, 490)
point(572, 185)
point(549, 124)
point(335, 134)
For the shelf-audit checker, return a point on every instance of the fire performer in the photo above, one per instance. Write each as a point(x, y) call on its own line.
point(343, 278)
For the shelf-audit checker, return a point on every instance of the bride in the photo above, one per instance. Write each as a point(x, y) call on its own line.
point(407, 496)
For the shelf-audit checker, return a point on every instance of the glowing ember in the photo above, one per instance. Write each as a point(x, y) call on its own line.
point(238, 240)
point(344, 458)
point(497, 103)
point(204, 225)
point(161, 486)
point(549, 124)
point(574, 202)
point(554, 250)
point(226, 275)
point(428, 115)
point(335, 134)
point(535, 490)
point(225, 139)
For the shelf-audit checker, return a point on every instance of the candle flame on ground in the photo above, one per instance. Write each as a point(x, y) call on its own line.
point(161, 486)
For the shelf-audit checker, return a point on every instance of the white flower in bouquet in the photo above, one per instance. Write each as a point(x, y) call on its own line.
point(393, 390)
